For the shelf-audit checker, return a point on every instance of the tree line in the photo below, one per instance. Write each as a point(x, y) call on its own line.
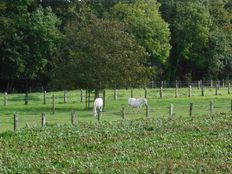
point(100, 43)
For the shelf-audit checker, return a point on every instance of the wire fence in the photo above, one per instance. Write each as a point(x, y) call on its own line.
point(24, 86)
point(44, 108)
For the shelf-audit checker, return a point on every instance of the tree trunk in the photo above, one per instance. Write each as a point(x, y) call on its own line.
point(97, 92)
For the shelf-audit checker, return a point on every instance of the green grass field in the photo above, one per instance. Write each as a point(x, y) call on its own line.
point(31, 113)
point(158, 144)
point(200, 144)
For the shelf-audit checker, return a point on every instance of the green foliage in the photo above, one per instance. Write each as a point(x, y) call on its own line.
point(146, 24)
point(189, 22)
point(31, 43)
point(102, 54)
point(220, 62)
point(160, 145)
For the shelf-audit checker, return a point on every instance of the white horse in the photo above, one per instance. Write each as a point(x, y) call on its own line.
point(137, 103)
point(98, 105)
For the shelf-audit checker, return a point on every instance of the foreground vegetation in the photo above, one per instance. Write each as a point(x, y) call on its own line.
point(178, 145)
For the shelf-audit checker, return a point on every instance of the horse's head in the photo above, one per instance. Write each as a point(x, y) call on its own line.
point(143, 101)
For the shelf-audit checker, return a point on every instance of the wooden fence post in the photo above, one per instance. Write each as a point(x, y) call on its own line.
point(202, 91)
point(190, 91)
point(162, 84)
point(15, 121)
point(199, 84)
point(65, 96)
point(86, 99)
point(218, 85)
point(5, 98)
point(99, 114)
point(132, 93)
point(123, 112)
point(171, 110)
point(89, 99)
point(145, 92)
point(45, 97)
point(211, 108)
point(161, 92)
point(191, 109)
point(26, 98)
point(228, 88)
point(211, 83)
point(73, 117)
point(152, 83)
point(223, 83)
point(53, 104)
point(43, 120)
point(176, 90)
point(115, 94)
point(104, 100)
point(216, 92)
point(81, 95)
point(147, 111)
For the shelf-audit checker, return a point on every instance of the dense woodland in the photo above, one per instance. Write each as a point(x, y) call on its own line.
point(102, 43)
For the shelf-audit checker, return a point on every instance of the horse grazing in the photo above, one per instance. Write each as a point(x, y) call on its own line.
point(137, 103)
point(98, 104)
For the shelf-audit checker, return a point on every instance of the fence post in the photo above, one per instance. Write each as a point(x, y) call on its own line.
point(176, 90)
point(161, 92)
point(81, 95)
point(5, 98)
point(211, 108)
point(104, 100)
point(53, 104)
point(145, 92)
point(223, 83)
point(162, 84)
point(199, 84)
point(211, 83)
point(123, 112)
point(26, 98)
point(45, 101)
point(65, 96)
point(228, 88)
point(147, 111)
point(73, 117)
point(190, 91)
point(99, 114)
point(15, 121)
point(43, 120)
point(191, 109)
point(115, 94)
point(216, 92)
point(202, 91)
point(89, 99)
point(86, 99)
point(171, 110)
point(132, 93)
point(218, 84)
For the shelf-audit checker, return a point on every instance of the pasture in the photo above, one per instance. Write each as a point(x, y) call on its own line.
point(200, 144)
point(30, 114)
point(157, 144)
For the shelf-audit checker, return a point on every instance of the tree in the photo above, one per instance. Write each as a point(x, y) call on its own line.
point(147, 25)
point(189, 24)
point(102, 54)
point(30, 46)
point(220, 39)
